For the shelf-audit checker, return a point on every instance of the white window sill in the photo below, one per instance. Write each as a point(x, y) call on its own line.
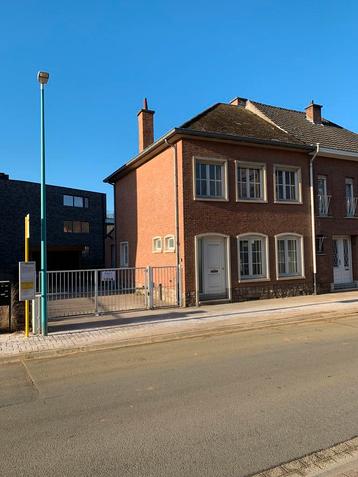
point(211, 199)
point(157, 251)
point(257, 201)
point(292, 277)
point(289, 202)
point(169, 251)
point(255, 280)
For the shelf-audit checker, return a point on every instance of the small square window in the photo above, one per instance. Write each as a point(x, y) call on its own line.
point(169, 243)
point(157, 244)
point(78, 201)
point(68, 200)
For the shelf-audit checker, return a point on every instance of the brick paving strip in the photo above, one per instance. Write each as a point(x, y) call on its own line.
point(340, 460)
point(168, 325)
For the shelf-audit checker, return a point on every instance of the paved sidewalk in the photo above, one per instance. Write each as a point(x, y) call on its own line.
point(79, 333)
point(337, 461)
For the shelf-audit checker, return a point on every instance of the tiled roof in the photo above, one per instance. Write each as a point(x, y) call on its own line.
point(328, 134)
point(232, 120)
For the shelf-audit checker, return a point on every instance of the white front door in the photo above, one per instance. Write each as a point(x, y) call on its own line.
point(214, 266)
point(342, 260)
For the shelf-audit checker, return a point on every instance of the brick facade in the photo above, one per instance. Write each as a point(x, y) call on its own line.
point(145, 198)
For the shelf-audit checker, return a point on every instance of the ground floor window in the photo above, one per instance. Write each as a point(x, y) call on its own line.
point(252, 257)
point(123, 254)
point(289, 255)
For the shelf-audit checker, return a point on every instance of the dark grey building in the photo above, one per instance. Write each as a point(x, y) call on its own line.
point(75, 226)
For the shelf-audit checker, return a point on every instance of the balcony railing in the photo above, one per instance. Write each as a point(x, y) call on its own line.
point(351, 206)
point(323, 205)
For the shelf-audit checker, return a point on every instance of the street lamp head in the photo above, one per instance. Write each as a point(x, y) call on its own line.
point(42, 77)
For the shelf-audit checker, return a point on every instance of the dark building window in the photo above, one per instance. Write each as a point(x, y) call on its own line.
point(75, 201)
point(75, 227)
point(320, 244)
point(85, 251)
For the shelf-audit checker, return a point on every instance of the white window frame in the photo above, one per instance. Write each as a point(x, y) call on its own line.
point(265, 260)
point(214, 161)
point(157, 249)
point(324, 179)
point(300, 256)
point(166, 239)
point(298, 183)
point(263, 180)
point(123, 256)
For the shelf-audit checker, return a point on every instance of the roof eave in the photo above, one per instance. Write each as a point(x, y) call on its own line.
point(177, 133)
point(338, 153)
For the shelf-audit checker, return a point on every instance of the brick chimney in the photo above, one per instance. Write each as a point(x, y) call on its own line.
point(145, 126)
point(313, 113)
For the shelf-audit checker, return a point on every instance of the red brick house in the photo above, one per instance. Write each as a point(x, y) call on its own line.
point(251, 200)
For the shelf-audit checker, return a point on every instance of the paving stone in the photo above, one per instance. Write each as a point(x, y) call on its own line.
point(276, 472)
point(296, 465)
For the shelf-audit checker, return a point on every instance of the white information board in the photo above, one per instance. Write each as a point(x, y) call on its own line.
point(108, 276)
point(27, 280)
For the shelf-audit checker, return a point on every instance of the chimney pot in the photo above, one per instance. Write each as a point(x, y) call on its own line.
point(313, 113)
point(145, 126)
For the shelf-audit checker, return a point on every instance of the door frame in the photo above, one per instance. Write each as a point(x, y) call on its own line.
point(342, 237)
point(227, 264)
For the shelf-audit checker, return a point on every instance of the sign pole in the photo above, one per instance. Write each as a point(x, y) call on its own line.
point(27, 304)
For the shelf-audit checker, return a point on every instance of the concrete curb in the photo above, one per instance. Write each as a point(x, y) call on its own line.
point(174, 336)
point(330, 462)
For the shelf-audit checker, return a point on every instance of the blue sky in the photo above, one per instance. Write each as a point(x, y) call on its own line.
point(105, 56)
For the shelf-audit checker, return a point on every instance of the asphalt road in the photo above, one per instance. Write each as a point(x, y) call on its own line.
point(222, 406)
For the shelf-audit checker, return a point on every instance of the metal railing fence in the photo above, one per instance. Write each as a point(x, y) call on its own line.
point(351, 206)
point(323, 204)
point(78, 292)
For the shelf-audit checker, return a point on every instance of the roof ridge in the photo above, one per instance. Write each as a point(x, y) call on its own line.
point(277, 107)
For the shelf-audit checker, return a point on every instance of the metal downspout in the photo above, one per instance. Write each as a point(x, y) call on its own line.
point(176, 220)
point(313, 221)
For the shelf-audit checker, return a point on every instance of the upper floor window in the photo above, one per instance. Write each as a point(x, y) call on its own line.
point(169, 243)
point(287, 184)
point(252, 257)
point(123, 254)
point(251, 180)
point(75, 201)
point(289, 255)
point(210, 179)
point(323, 199)
point(351, 201)
point(157, 245)
point(76, 227)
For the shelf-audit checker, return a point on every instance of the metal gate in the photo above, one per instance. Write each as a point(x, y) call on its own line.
point(79, 292)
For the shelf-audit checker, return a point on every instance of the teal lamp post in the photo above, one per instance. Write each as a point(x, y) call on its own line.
point(42, 78)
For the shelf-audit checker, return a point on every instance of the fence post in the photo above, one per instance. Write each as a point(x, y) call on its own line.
point(96, 292)
point(150, 301)
point(178, 286)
